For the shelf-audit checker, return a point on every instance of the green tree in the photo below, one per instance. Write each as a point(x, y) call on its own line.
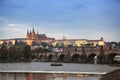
point(44, 44)
point(3, 53)
point(14, 53)
point(27, 52)
point(39, 50)
point(4, 44)
point(34, 43)
point(21, 43)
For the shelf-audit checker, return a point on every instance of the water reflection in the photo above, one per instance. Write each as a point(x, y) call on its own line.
point(88, 77)
point(78, 78)
point(75, 78)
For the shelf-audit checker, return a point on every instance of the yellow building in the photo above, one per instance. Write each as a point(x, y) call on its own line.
point(77, 42)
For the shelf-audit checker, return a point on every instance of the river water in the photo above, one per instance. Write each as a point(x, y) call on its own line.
point(44, 67)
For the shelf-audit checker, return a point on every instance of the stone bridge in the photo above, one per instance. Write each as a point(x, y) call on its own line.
point(104, 56)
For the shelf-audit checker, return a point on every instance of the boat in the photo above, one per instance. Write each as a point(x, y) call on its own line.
point(56, 64)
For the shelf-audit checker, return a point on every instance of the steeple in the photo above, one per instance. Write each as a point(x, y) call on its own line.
point(64, 37)
point(33, 30)
point(27, 32)
point(30, 32)
point(27, 35)
point(101, 39)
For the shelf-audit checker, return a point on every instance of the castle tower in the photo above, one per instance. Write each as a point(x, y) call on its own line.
point(101, 42)
point(101, 39)
point(33, 30)
point(64, 37)
point(28, 34)
point(33, 35)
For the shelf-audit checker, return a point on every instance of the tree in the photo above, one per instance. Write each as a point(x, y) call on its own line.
point(34, 43)
point(27, 52)
point(3, 53)
point(44, 44)
point(4, 44)
point(21, 43)
point(70, 46)
point(14, 53)
point(57, 45)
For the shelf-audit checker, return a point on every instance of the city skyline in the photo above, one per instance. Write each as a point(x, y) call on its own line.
point(83, 19)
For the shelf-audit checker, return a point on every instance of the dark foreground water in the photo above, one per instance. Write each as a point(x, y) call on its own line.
point(67, 68)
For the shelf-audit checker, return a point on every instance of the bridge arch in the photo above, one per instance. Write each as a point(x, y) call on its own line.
point(43, 58)
point(83, 58)
point(52, 57)
point(75, 58)
point(110, 57)
point(40, 57)
point(90, 58)
point(62, 57)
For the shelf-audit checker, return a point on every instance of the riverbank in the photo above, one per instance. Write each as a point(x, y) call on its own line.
point(114, 75)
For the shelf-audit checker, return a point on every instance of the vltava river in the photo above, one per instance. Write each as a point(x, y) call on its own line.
point(38, 67)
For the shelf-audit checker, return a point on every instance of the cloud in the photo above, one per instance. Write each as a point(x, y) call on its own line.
point(16, 25)
point(13, 30)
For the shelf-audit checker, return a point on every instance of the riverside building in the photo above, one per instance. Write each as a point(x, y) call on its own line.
point(35, 37)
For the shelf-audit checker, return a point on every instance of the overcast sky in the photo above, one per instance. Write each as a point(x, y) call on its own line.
point(78, 19)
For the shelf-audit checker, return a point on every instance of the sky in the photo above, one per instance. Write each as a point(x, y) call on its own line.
point(75, 19)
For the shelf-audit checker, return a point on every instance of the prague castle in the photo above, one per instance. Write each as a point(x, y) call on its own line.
point(38, 37)
point(32, 36)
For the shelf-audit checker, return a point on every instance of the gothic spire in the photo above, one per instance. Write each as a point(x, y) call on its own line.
point(27, 32)
point(30, 31)
point(33, 30)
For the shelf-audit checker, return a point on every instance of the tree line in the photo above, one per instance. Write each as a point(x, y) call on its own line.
point(15, 53)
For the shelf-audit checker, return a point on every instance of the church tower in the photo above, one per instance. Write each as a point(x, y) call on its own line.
point(101, 39)
point(28, 34)
point(33, 35)
point(64, 37)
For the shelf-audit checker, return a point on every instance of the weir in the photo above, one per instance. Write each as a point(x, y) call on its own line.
point(43, 71)
point(52, 72)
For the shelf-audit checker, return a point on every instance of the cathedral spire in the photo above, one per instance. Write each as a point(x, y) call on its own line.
point(64, 37)
point(33, 30)
point(102, 38)
point(27, 32)
point(30, 32)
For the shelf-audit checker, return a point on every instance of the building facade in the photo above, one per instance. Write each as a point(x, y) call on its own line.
point(38, 38)
point(78, 42)
point(32, 36)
